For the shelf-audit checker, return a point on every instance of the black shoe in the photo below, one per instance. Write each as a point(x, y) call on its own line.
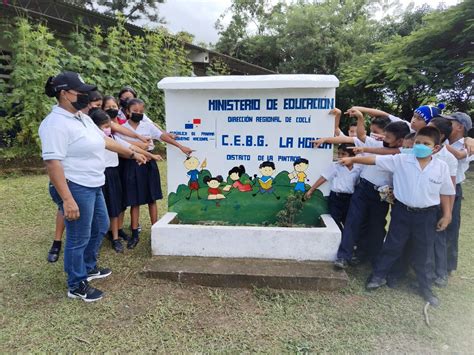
point(393, 282)
point(123, 235)
point(341, 263)
point(355, 261)
point(53, 254)
point(375, 282)
point(98, 273)
point(117, 246)
point(428, 296)
point(441, 281)
point(132, 242)
point(85, 292)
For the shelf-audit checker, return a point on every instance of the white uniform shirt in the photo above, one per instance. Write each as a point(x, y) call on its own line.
point(463, 164)
point(341, 179)
point(373, 173)
point(111, 158)
point(415, 187)
point(77, 142)
point(145, 129)
point(445, 155)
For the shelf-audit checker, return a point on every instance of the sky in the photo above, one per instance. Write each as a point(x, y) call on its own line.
point(199, 16)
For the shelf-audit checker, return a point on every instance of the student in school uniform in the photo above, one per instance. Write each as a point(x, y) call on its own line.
point(421, 185)
point(342, 180)
point(127, 93)
point(366, 205)
point(423, 115)
point(462, 123)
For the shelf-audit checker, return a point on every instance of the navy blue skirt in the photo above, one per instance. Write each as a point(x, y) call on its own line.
point(141, 184)
point(112, 191)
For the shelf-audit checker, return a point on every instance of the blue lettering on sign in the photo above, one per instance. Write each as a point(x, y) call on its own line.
point(243, 141)
point(317, 103)
point(237, 157)
point(234, 105)
point(288, 143)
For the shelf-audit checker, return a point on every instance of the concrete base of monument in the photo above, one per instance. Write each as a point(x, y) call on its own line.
point(247, 273)
point(173, 239)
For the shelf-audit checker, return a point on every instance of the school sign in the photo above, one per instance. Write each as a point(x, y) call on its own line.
point(252, 140)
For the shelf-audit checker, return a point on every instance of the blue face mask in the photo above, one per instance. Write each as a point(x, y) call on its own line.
point(406, 150)
point(422, 151)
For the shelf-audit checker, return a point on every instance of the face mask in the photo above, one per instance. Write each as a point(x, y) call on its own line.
point(136, 117)
point(81, 102)
point(406, 150)
point(112, 112)
point(107, 131)
point(422, 151)
point(123, 103)
point(92, 109)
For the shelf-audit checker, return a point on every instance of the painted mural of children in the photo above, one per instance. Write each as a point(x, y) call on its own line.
point(214, 192)
point(235, 174)
point(265, 182)
point(300, 165)
point(192, 163)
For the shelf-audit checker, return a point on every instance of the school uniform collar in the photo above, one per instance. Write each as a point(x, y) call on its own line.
point(60, 111)
point(414, 160)
point(78, 116)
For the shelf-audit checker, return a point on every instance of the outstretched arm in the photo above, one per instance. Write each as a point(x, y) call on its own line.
point(375, 150)
point(459, 154)
point(333, 140)
point(372, 112)
point(370, 160)
point(361, 133)
point(313, 188)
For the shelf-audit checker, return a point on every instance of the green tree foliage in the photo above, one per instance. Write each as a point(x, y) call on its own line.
point(434, 62)
point(132, 10)
point(36, 55)
point(417, 56)
point(110, 60)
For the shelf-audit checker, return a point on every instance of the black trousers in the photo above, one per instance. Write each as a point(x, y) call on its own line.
point(338, 207)
point(365, 222)
point(452, 232)
point(406, 226)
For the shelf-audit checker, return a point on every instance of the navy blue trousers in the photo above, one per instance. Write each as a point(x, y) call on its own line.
point(417, 227)
point(452, 232)
point(338, 207)
point(365, 222)
point(437, 258)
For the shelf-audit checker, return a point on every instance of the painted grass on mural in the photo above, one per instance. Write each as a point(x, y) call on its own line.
point(250, 207)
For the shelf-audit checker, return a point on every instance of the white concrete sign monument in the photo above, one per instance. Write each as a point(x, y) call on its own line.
point(252, 140)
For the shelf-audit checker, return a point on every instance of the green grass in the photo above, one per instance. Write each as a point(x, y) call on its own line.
point(140, 314)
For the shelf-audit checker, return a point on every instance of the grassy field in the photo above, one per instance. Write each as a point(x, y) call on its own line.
point(140, 314)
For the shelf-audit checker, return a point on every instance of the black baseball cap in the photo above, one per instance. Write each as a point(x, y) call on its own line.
point(70, 80)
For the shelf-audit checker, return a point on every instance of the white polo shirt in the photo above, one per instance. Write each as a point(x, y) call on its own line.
point(340, 178)
point(374, 174)
point(463, 164)
point(111, 158)
point(445, 155)
point(145, 129)
point(415, 187)
point(77, 142)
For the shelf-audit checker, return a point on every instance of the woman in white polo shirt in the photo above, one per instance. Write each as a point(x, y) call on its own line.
point(73, 150)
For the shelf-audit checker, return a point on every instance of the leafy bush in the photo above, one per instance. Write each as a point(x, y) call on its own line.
point(110, 59)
